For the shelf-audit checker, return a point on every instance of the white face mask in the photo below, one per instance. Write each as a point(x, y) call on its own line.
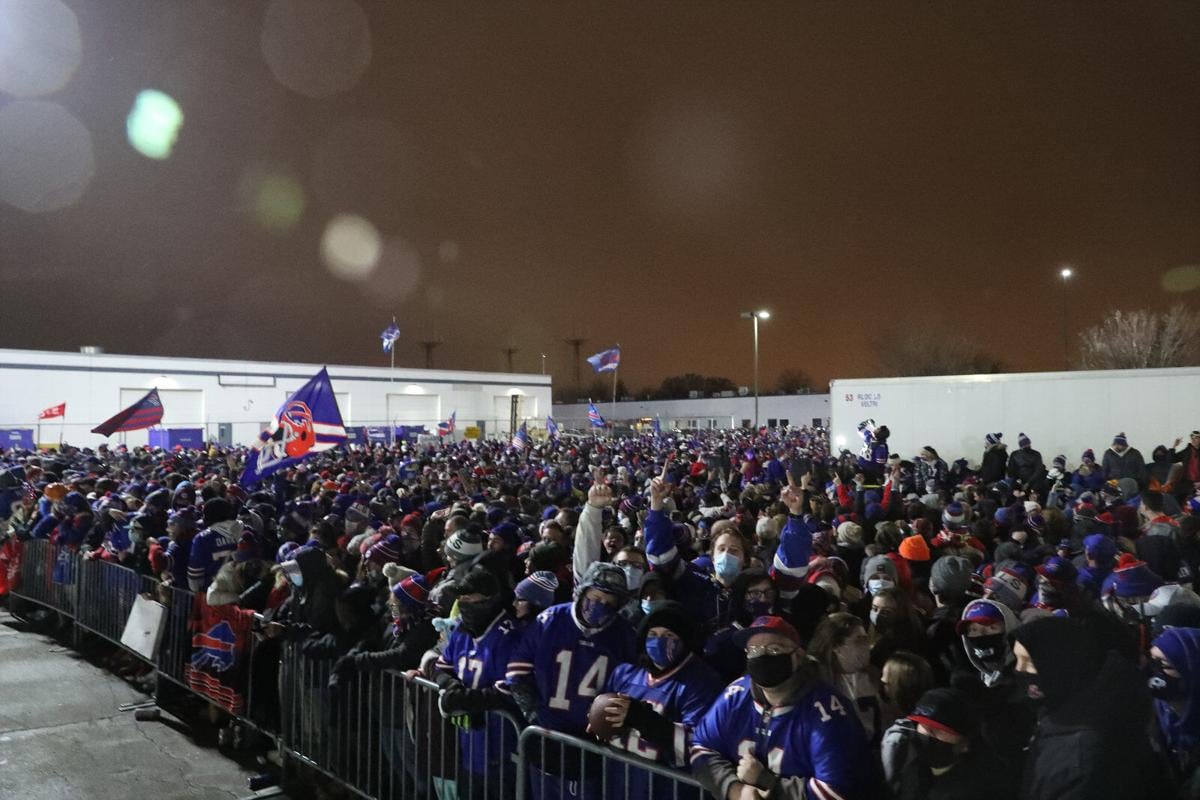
point(876, 585)
point(853, 657)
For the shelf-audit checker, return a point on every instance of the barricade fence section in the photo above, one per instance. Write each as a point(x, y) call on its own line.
point(559, 766)
point(379, 733)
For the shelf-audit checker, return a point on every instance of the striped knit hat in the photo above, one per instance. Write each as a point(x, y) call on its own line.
point(412, 592)
point(385, 551)
point(538, 589)
point(993, 438)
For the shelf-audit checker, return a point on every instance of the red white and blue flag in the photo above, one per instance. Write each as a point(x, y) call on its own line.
point(145, 413)
point(551, 427)
point(606, 360)
point(520, 439)
point(594, 415)
point(446, 428)
point(308, 422)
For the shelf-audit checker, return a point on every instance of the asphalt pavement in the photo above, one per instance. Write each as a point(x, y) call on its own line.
point(64, 737)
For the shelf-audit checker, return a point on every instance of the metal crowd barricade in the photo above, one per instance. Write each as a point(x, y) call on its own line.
point(557, 765)
point(106, 595)
point(48, 576)
point(382, 735)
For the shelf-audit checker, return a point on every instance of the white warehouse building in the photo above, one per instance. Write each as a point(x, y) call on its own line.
point(706, 412)
point(231, 402)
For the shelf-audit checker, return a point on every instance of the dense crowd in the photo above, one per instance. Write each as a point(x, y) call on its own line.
point(781, 620)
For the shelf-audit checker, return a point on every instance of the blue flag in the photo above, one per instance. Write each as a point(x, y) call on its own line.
point(520, 439)
point(551, 427)
point(657, 426)
point(594, 415)
point(606, 360)
point(389, 336)
point(308, 422)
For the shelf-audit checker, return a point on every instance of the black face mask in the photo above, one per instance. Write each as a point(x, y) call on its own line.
point(1162, 685)
point(1028, 684)
point(757, 608)
point(475, 617)
point(770, 671)
point(935, 753)
point(991, 650)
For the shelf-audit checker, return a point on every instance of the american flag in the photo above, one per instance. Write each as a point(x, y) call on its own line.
point(145, 413)
point(594, 415)
point(446, 428)
point(551, 427)
point(520, 439)
point(606, 360)
point(389, 336)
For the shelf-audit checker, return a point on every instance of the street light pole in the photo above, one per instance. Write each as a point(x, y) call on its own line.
point(755, 316)
point(1065, 273)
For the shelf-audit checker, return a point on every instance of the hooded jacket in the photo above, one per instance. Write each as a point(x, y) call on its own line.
point(989, 676)
point(995, 460)
point(1180, 729)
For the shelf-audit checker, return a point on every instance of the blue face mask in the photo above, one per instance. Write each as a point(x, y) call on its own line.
point(297, 578)
point(727, 566)
point(593, 613)
point(646, 606)
point(663, 651)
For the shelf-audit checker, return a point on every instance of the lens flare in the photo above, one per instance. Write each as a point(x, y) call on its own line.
point(351, 247)
point(153, 124)
point(40, 47)
point(46, 159)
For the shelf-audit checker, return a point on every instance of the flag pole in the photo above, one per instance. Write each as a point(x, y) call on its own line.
point(392, 353)
point(613, 412)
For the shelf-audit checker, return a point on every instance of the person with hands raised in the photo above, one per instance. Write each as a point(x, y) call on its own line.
point(706, 586)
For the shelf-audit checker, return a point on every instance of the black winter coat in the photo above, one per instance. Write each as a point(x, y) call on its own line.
point(1097, 745)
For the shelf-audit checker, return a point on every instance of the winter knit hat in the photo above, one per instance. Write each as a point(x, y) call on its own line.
point(1008, 587)
point(1132, 578)
point(1100, 548)
point(1060, 463)
point(1058, 570)
point(411, 521)
point(285, 552)
point(385, 551)
point(1023, 440)
point(412, 592)
point(1120, 439)
point(463, 545)
point(538, 589)
point(509, 532)
point(954, 517)
point(1089, 456)
point(358, 513)
point(850, 535)
point(993, 438)
point(950, 576)
point(914, 548)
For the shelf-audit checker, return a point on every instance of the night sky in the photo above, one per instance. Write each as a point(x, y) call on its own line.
point(624, 172)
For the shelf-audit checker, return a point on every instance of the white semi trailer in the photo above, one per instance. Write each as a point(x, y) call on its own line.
point(1062, 412)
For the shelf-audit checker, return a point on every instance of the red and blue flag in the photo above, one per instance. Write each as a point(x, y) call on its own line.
point(606, 360)
point(145, 413)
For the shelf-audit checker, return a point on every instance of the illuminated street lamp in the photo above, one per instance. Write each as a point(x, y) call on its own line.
point(756, 316)
point(1065, 274)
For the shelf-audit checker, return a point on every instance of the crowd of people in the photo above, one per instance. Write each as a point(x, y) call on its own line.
point(778, 619)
